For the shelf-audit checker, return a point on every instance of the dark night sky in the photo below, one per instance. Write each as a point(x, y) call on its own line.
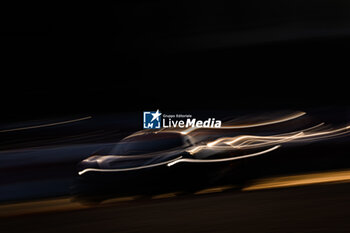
point(137, 55)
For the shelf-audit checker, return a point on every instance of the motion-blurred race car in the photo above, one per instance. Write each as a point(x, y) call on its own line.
point(149, 161)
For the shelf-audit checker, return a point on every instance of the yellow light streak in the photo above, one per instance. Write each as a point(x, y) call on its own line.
point(299, 180)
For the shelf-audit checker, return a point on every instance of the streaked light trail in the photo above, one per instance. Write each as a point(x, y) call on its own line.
point(221, 160)
point(254, 141)
point(126, 169)
point(243, 126)
point(45, 125)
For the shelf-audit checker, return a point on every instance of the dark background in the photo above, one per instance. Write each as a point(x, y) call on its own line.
point(59, 59)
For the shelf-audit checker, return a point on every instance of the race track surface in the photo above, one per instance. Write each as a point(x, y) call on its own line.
point(313, 208)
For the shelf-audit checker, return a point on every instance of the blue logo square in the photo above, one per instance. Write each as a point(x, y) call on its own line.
point(152, 120)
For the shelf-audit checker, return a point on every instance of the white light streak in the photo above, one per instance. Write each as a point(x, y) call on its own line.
point(45, 125)
point(185, 160)
point(126, 169)
point(243, 126)
point(254, 141)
